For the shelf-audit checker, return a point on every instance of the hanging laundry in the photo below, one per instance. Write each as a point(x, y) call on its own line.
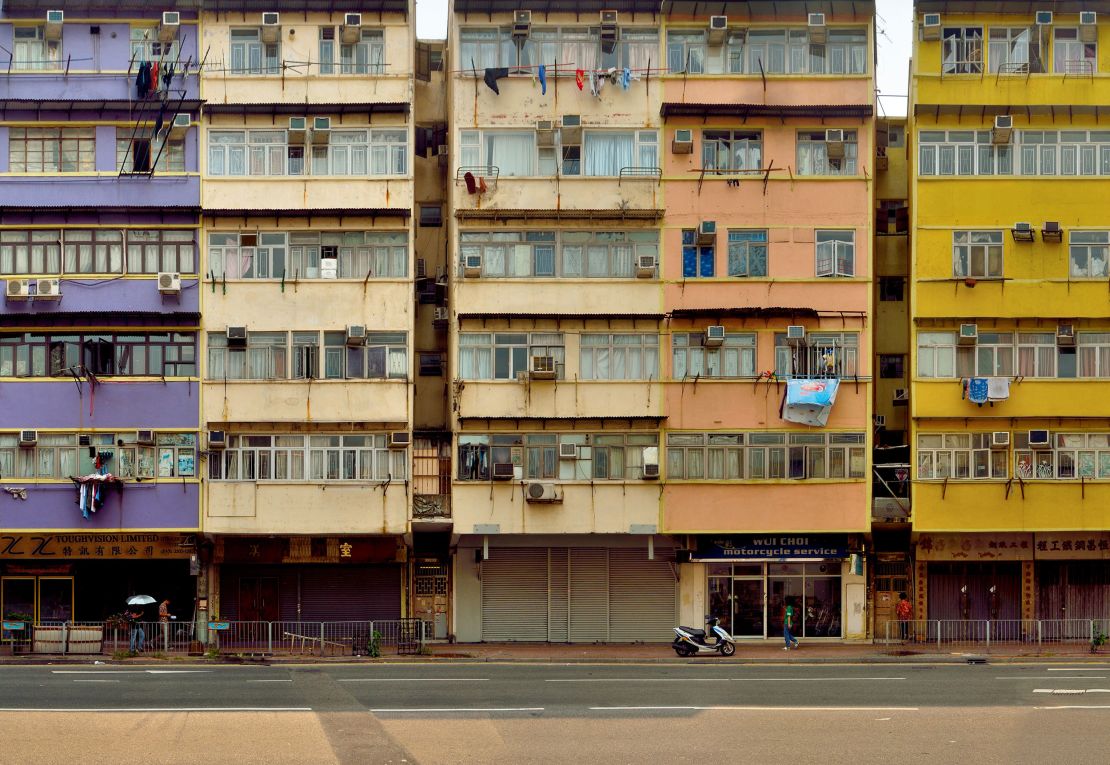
point(160, 121)
point(167, 76)
point(614, 75)
point(578, 78)
point(493, 74)
point(977, 390)
point(596, 84)
point(142, 79)
point(626, 78)
point(471, 184)
point(482, 188)
point(543, 79)
point(998, 388)
point(154, 77)
point(808, 402)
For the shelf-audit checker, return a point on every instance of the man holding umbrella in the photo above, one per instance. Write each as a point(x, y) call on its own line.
point(134, 616)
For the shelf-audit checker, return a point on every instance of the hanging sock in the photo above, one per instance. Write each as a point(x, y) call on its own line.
point(482, 188)
point(543, 80)
point(626, 78)
point(493, 74)
point(578, 78)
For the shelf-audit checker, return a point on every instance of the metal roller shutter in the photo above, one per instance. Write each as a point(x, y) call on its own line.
point(589, 594)
point(558, 606)
point(350, 593)
point(514, 594)
point(642, 596)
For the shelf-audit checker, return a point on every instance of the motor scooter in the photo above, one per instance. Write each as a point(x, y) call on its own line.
point(690, 641)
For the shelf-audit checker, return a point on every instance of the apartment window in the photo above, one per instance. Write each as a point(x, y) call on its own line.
point(600, 456)
point(367, 56)
point(384, 356)
point(51, 150)
point(994, 355)
point(58, 456)
point(138, 154)
point(32, 51)
point(431, 216)
point(732, 151)
point(892, 366)
point(267, 153)
point(145, 46)
point(361, 457)
point(734, 358)
point(93, 251)
point(504, 355)
point(1015, 50)
point(249, 55)
point(326, 50)
point(508, 153)
point(686, 51)
point(765, 455)
point(963, 152)
point(246, 152)
point(777, 51)
point(480, 48)
point(131, 354)
point(96, 251)
point(607, 153)
point(836, 253)
point(636, 49)
point(892, 288)
point(559, 254)
point(698, 260)
point(1070, 55)
point(813, 154)
point(619, 357)
point(266, 356)
point(1089, 251)
point(822, 355)
point(431, 364)
point(962, 51)
point(747, 252)
point(1094, 355)
point(30, 252)
point(1067, 456)
point(977, 254)
point(151, 251)
point(936, 354)
point(844, 52)
point(959, 456)
point(1036, 354)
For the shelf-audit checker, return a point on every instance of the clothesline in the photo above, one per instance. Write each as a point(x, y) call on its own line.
point(569, 66)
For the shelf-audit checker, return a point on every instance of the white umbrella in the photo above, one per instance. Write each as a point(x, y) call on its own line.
point(140, 600)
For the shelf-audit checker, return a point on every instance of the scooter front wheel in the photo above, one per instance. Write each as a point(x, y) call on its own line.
point(728, 648)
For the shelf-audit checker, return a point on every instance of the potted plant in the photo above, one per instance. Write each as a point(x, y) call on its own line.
point(1098, 640)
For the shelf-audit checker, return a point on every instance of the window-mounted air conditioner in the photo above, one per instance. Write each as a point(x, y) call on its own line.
point(817, 28)
point(321, 129)
point(168, 29)
point(1088, 26)
point(144, 437)
point(1038, 438)
point(1044, 18)
point(400, 439)
point(1003, 129)
point(356, 334)
point(610, 18)
point(522, 24)
point(707, 232)
point(880, 420)
point(54, 22)
point(28, 437)
point(714, 336)
point(571, 129)
point(217, 439)
point(1065, 334)
point(179, 125)
point(568, 451)
point(1022, 232)
point(834, 143)
point(645, 267)
point(502, 471)
point(901, 395)
point(718, 29)
point(351, 31)
point(1000, 439)
point(930, 26)
point(543, 493)
point(48, 289)
point(236, 337)
point(969, 334)
point(541, 367)
point(1052, 231)
point(472, 265)
point(441, 313)
point(650, 469)
point(545, 133)
point(683, 142)
point(297, 128)
point(18, 289)
point(169, 283)
point(795, 334)
point(271, 27)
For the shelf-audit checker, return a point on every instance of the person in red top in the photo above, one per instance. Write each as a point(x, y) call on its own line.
point(903, 610)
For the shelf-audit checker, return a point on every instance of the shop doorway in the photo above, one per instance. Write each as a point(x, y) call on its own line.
point(39, 599)
point(258, 599)
point(750, 598)
point(430, 598)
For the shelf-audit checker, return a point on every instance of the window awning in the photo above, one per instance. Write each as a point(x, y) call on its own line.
point(300, 108)
point(776, 9)
point(781, 111)
point(609, 214)
point(557, 6)
point(99, 105)
point(302, 212)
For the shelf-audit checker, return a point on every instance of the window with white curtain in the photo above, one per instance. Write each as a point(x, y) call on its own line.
point(249, 55)
point(349, 457)
point(1089, 252)
point(813, 154)
point(1070, 55)
point(936, 354)
point(367, 56)
point(558, 254)
point(1014, 50)
point(267, 355)
point(732, 151)
point(609, 152)
point(765, 455)
point(307, 255)
point(691, 358)
point(615, 356)
point(977, 254)
point(686, 51)
point(504, 355)
point(1036, 354)
point(32, 51)
point(512, 153)
point(381, 151)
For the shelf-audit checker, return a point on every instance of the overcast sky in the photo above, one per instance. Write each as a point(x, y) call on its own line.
point(894, 29)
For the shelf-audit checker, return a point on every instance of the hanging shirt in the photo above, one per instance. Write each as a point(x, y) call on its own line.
point(626, 78)
point(154, 77)
point(493, 74)
point(543, 80)
point(998, 388)
point(578, 78)
point(977, 390)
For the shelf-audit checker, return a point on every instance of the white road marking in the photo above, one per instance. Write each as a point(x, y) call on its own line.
point(1071, 691)
point(716, 679)
point(71, 710)
point(1069, 669)
point(418, 710)
point(128, 671)
point(412, 679)
point(1075, 706)
point(1054, 677)
point(755, 709)
point(96, 681)
point(270, 681)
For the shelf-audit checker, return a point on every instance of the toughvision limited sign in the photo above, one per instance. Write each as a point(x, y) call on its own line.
point(771, 547)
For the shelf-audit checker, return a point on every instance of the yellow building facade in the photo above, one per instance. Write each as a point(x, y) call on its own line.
point(1009, 251)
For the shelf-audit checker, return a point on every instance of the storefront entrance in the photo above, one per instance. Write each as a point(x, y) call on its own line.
point(750, 598)
point(37, 599)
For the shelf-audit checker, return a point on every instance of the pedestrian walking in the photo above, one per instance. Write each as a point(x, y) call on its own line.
point(164, 617)
point(903, 610)
point(788, 613)
point(138, 635)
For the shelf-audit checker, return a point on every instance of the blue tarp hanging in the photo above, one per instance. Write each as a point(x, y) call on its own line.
point(808, 402)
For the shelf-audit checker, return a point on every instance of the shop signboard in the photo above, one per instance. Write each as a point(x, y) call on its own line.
point(771, 547)
point(1072, 545)
point(95, 546)
point(14, 626)
point(219, 626)
point(975, 547)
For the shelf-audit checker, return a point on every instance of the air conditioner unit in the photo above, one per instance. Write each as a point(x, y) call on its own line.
point(1022, 232)
point(29, 437)
point(541, 367)
point(1003, 129)
point(650, 469)
point(503, 471)
point(84, 440)
point(817, 29)
point(169, 283)
point(834, 143)
point(969, 334)
point(683, 142)
point(1000, 439)
point(795, 333)
point(571, 129)
point(1038, 438)
point(297, 128)
point(271, 27)
point(522, 24)
point(1044, 18)
point(1052, 231)
point(545, 133)
point(568, 451)
point(718, 29)
point(441, 313)
point(707, 232)
point(542, 493)
point(1065, 334)
point(236, 337)
point(1088, 26)
point(609, 18)
point(645, 267)
point(901, 395)
point(930, 26)
point(144, 437)
point(321, 128)
point(356, 334)
point(472, 265)
point(400, 439)
point(880, 420)
point(351, 31)
point(18, 289)
point(179, 125)
point(48, 289)
point(54, 21)
point(217, 439)
point(171, 23)
point(714, 336)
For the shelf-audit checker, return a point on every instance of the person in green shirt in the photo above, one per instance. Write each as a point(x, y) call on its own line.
point(787, 621)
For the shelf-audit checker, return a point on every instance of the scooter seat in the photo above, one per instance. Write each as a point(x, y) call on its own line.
point(693, 631)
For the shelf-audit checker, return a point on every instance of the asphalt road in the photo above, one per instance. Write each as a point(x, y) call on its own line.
point(544, 713)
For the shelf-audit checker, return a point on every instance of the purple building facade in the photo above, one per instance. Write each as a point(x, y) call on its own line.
point(99, 262)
